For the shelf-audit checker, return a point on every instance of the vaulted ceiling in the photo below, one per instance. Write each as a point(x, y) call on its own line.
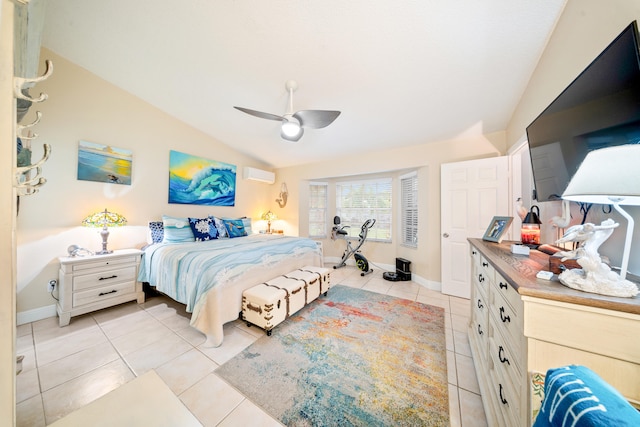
point(401, 72)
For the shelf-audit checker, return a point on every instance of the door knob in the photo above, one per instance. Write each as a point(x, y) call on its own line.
point(445, 235)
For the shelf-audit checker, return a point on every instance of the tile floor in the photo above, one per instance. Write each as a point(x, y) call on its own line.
point(66, 368)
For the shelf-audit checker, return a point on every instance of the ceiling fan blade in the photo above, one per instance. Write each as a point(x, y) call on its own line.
point(260, 114)
point(294, 138)
point(316, 119)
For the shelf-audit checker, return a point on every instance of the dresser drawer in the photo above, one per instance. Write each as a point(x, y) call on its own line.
point(486, 269)
point(103, 278)
point(508, 292)
point(94, 295)
point(507, 398)
point(505, 359)
point(507, 320)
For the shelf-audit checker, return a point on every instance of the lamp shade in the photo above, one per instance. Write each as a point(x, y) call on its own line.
point(269, 216)
point(606, 176)
point(104, 219)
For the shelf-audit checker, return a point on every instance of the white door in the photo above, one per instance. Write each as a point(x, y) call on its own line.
point(471, 194)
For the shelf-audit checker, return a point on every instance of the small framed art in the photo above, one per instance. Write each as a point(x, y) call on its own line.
point(497, 228)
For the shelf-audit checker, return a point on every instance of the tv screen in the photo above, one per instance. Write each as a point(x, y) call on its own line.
point(600, 108)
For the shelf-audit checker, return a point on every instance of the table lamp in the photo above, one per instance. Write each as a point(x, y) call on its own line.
point(609, 176)
point(269, 216)
point(104, 219)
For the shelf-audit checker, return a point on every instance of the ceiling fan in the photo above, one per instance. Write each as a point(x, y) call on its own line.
point(293, 124)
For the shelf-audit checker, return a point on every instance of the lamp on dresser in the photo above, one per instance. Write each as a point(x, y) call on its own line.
point(104, 219)
point(609, 176)
point(269, 216)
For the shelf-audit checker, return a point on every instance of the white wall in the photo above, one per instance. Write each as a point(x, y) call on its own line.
point(82, 106)
point(585, 28)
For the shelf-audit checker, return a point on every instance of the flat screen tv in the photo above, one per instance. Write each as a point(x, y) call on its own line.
point(600, 108)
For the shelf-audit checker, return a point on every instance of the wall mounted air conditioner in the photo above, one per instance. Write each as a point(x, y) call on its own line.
point(259, 175)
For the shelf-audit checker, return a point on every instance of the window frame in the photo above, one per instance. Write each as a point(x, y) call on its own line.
point(323, 224)
point(409, 203)
point(382, 230)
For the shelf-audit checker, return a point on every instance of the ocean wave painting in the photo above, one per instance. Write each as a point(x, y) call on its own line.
point(104, 163)
point(198, 181)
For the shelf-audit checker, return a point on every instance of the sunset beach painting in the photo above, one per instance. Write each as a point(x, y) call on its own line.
point(104, 163)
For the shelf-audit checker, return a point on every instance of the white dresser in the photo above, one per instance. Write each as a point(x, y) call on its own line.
point(520, 323)
point(94, 282)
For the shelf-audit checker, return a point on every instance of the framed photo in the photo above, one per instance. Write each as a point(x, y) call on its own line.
point(104, 163)
point(497, 228)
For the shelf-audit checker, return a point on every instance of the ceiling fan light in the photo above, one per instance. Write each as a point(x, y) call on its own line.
point(290, 128)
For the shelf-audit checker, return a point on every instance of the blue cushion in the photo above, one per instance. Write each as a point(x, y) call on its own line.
point(203, 229)
point(235, 227)
point(157, 231)
point(575, 395)
point(176, 230)
point(222, 230)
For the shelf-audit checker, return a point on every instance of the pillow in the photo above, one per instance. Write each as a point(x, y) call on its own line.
point(247, 225)
point(235, 227)
point(157, 231)
point(176, 230)
point(203, 229)
point(222, 230)
point(575, 395)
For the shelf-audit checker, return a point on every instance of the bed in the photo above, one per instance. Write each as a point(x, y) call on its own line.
point(209, 276)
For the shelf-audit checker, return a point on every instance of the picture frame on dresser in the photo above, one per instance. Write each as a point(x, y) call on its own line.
point(496, 229)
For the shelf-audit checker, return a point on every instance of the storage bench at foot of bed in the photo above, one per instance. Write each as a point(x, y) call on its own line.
point(268, 304)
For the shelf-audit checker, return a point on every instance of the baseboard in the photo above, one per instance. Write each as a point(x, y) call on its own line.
point(39, 313)
point(429, 284)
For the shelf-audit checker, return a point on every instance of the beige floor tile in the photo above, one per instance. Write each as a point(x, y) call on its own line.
point(186, 370)
point(24, 343)
point(471, 410)
point(211, 400)
point(27, 385)
point(48, 329)
point(127, 323)
point(22, 330)
point(176, 322)
point(461, 341)
point(460, 306)
point(29, 360)
point(466, 374)
point(161, 310)
point(452, 372)
point(430, 293)
point(235, 340)
point(454, 407)
point(436, 302)
point(192, 335)
point(30, 412)
point(157, 353)
point(253, 330)
point(151, 332)
point(459, 323)
point(49, 350)
point(248, 414)
point(118, 311)
point(399, 292)
point(380, 286)
point(448, 334)
point(75, 365)
point(69, 396)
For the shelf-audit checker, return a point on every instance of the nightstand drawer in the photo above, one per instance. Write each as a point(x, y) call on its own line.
point(94, 295)
point(102, 264)
point(104, 278)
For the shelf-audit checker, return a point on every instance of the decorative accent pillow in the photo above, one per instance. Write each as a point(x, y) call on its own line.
point(157, 231)
point(247, 225)
point(176, 230)
point(203, 229)
point(222, 230)
point(575, 395)
point(235, 227)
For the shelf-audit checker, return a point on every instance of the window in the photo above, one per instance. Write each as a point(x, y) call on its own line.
point(357, 201)
point(318, 209)
point(409, 207)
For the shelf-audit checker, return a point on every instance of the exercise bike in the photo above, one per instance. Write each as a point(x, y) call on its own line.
point(339, 231)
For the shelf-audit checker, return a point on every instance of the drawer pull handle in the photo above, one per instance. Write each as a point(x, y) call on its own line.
point(501, 357)
point(480, 278)
point(107, 293)
point(503, 317)
point(485, 264)
point(480, 330)
point(107, 278)
point(480, 305)
point(503, 286)
point(502, 399)
point(474, 252)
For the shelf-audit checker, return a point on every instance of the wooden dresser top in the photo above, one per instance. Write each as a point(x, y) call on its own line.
point(520, 271)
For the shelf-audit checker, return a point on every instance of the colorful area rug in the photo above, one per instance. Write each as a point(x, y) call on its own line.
point(353, 358)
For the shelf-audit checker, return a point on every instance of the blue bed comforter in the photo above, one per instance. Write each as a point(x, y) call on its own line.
point(187, 271)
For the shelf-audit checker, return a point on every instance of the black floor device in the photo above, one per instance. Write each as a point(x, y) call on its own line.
point(402, 273)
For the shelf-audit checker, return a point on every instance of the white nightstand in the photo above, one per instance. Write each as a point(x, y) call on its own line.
point(98, 281)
